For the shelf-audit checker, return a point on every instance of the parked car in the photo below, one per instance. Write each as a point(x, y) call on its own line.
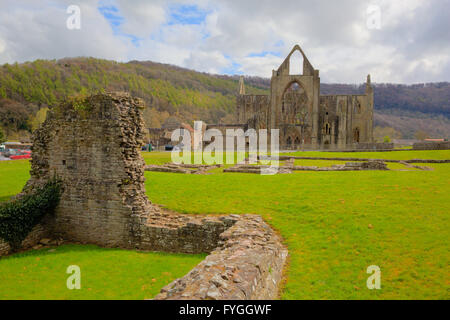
point(178, 147)
point(20, 157)
point(15, 154)
point(168, 147)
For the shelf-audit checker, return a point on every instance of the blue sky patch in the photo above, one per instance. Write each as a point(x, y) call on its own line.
point(186, 15)
point(264, 53)
point(233, 69)
point(112, 15)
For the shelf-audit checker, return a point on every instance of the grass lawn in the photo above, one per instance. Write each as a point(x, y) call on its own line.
point(335, 224)
point(105, 273)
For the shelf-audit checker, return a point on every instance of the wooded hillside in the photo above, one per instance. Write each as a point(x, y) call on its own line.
point(27, 91)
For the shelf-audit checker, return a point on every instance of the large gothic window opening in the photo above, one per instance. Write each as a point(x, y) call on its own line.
point(294, 110)
point(296, 63)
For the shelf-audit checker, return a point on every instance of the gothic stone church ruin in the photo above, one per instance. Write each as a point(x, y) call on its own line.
point(304, 117)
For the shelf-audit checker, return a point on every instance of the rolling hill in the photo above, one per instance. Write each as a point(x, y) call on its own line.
point(27, 90)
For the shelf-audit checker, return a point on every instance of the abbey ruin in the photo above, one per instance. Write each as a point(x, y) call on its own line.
point(304, 117)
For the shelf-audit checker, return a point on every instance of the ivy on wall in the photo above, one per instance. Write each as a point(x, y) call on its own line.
point(19, 216)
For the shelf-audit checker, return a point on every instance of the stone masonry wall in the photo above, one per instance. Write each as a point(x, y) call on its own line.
point(93, 147)
point(172, 232)
point(432, 145)
point(248, 264)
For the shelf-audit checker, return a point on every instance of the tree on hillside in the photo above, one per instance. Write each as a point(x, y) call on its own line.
point(421, 135)
point(2, 136)
point(13, 116)
point(39, 118)
point(380, 133)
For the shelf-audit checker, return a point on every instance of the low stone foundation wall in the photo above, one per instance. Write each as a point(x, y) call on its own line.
point(282, 158)
point(170, 232)
point(351, 147)
point(247, 265)
point(259, 169)
point(181, 168)
point(349, 166)
point(289, 166)
point(432, 145)
point(371, 146)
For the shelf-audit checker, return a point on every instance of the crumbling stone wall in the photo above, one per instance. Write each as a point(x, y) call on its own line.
point(171, 232)
point(248, 264)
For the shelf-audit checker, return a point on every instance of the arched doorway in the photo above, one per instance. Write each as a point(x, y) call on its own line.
point(289, 142)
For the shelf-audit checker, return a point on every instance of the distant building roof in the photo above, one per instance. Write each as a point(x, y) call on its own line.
point(435, 140)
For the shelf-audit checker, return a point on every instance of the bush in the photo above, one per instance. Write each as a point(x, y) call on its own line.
point(19, 216)
point(386, 139)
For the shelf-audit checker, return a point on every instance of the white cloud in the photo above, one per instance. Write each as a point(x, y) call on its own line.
point(250, 36)
point(142, 17)
point(30, 33)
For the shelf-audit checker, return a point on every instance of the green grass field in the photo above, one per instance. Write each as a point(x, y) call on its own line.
point(335, 224)
point(105, 273)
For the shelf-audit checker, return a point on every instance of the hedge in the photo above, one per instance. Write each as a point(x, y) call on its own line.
point(19, 216)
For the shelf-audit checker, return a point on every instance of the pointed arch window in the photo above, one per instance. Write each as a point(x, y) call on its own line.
point(357, 109)
point(327, 128)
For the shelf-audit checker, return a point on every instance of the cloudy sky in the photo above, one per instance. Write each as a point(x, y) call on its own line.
point(402, 41)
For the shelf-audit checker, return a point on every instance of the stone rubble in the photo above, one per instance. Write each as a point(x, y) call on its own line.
point(182, 168)
point(289, 167)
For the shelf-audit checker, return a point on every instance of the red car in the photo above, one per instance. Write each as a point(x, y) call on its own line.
point(22, 156)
